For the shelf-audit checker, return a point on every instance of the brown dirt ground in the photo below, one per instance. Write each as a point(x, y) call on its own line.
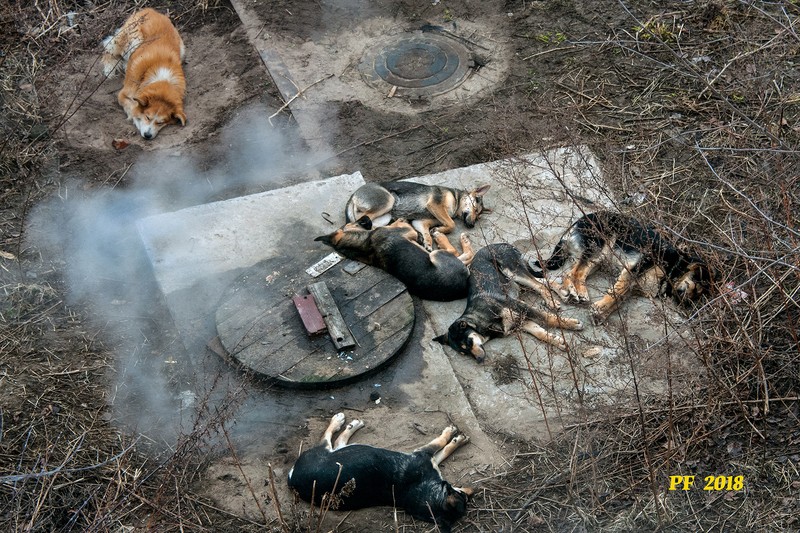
point(642, 83)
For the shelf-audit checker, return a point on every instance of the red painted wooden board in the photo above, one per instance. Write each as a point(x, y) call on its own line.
point(309, 314)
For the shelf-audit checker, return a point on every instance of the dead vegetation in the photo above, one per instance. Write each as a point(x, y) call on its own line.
point(695, 112)
point(701, 106)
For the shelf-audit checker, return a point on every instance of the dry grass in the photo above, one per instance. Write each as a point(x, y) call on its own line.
point(699, 125)
point(64, 466)
point(695, 112)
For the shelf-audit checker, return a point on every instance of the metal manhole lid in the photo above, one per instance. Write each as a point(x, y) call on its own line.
point(417, 63)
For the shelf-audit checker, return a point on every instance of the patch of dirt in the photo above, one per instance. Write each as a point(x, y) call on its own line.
point(223, 72)
point(692, 109)
point(505, 369)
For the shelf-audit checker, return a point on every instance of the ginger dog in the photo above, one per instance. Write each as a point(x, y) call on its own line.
point(150, 50)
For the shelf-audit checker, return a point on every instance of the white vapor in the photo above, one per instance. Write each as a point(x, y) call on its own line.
point(90, 235)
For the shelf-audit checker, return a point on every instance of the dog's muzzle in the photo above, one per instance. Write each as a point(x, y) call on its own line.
point(684, 296)
point(468, 221)
point(475, 346)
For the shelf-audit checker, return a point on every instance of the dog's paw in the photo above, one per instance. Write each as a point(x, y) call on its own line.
point(449, 431)
point(109, 70)
point(551, 302)
point(578, 295)
point(599, 314)
point(573, 296)
point(354, 425)
point(460, 440)
point(573, 324)
point(579, 292)
point(338, 421)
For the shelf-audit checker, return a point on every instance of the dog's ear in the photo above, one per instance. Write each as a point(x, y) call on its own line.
point(457, 502)
point(703, 274)
point(443, 339)
point(365, 222)
point(480, 191)
point(326, 239)
point(142, 101)
point(332, 239)
point(453, 507)
point(462, 325)
point(179, 116)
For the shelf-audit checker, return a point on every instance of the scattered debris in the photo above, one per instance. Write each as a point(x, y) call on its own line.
point(120, 144)
point(323, 264)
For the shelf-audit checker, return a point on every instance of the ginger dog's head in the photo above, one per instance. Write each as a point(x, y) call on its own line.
point(157, 105)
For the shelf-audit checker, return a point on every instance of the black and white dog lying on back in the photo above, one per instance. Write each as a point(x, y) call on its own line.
point(359, 475)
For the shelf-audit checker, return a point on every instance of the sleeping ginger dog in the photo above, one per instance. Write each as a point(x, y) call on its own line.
point(150, 50)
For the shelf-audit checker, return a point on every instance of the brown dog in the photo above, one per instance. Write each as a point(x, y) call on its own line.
point(426, 207)
point(150, 50)
point(642, 253)
point(439, 275)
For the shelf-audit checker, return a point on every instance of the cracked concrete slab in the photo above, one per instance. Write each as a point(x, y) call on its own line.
point(524, 389)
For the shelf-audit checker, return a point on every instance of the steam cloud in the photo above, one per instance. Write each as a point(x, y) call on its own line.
point(91, 236)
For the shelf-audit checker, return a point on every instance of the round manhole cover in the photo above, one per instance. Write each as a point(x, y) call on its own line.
point(261, 331)
point(418, 64)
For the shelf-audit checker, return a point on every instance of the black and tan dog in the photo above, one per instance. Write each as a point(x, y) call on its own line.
point(439, 275)
point(646, 259)
point(494, 308)
point(358, 475)
point(425, 206)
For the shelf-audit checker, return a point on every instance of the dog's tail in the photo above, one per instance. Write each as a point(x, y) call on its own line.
point(350, 210)
point(556, 261)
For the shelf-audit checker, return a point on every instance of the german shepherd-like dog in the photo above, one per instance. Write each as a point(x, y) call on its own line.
point(425, 206)
point(358, 475)
point(646, 257)
point(494, 308)
point(439, 275)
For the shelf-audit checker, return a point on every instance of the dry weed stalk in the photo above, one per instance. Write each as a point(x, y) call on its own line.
point(276, 501)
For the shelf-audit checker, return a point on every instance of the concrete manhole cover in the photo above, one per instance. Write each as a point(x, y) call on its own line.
point(417, 64)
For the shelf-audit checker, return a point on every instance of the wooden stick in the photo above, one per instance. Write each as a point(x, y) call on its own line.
point(293, 98)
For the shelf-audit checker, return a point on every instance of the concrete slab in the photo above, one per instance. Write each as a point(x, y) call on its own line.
point(197, 252)
point(308, 124)
point(524, 388)
point(213, 239)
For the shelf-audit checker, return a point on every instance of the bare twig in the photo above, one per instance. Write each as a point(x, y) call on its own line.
point(299, 93)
